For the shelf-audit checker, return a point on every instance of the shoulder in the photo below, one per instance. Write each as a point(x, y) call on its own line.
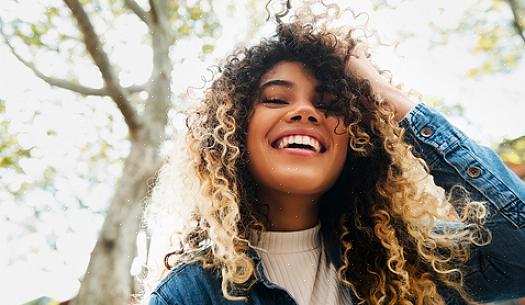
point(188, 283)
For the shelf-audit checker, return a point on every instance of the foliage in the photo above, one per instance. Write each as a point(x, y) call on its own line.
point(15, 159)
point(52, 186)
point(496, 28)
point(50, 31)
point(70, 197)
point(454, 109)
point(513, 151)
point(492, 28)
point(11, 152)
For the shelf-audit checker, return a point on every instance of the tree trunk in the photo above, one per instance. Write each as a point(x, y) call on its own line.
point(107, 280)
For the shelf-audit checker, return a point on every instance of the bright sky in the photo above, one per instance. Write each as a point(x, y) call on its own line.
point(493, 104)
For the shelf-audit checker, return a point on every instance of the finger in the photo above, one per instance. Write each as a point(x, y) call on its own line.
point(360, 51)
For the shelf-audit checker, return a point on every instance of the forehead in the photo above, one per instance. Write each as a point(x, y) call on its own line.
point(293, 71)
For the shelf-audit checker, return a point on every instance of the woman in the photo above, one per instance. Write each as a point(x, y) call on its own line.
point(310, 192)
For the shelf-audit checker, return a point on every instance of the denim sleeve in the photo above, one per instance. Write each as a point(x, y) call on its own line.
point(156, 299)
point(496, 271)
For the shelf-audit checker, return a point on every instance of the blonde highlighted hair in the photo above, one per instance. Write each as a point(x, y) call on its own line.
point(385, 202)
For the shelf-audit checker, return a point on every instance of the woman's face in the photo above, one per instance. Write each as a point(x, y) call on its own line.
point(293, 147)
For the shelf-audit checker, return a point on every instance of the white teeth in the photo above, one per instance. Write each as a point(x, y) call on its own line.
point(299, 139)
point(316, 146)
point(306, 140)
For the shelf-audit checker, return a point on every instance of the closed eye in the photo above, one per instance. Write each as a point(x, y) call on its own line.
point(274, 101)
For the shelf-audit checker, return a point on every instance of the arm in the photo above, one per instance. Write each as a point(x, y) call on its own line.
point(497, 271)
point(156, 299)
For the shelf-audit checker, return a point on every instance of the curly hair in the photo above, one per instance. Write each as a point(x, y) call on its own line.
point(385, 201)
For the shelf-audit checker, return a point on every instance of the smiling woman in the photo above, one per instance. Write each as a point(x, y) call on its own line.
point(310, 191)
point(296, 150)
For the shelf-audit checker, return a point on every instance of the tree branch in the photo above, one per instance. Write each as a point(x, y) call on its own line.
point(65, 84)
point(517, 21)
point(135, 88)
point(139, 11)
point(153, 11)
point(94, 48)
point(61, 83)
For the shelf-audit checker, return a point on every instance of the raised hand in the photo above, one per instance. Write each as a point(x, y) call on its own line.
point(360, 66)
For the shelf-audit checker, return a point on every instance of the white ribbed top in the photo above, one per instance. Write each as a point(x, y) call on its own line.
point(297, 262)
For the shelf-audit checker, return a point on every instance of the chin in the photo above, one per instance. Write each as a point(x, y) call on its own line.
point(301, 183)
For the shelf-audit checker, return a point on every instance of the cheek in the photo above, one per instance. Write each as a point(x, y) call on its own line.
point(279, 172)
point(255, 146)
point(341, 138)
point(254, 134)
point(341, 144)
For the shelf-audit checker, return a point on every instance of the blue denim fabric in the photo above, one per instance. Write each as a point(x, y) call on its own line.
point(495, 271)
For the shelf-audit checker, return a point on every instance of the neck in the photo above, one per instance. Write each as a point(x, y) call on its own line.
point(290, 212)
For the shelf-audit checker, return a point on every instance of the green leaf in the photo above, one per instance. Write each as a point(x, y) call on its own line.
point(513, 151)
point(184, 30)
point(486, 42)
point(195, 13)
point(207, 48)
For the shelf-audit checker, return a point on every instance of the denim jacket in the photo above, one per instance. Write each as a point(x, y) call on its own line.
point(496, 271)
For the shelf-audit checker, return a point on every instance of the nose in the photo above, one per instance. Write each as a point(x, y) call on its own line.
point(305, 113)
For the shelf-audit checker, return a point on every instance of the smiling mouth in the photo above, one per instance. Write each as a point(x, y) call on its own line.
point(299, 142)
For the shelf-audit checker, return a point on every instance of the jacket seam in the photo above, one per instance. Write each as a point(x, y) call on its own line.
point(172, 273)
point(161, 298)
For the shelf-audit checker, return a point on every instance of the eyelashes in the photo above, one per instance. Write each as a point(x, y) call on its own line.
point(274, 101)
point(321, 106)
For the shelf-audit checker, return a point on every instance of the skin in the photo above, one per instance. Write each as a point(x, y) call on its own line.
point(359, 65)
point(290, 183)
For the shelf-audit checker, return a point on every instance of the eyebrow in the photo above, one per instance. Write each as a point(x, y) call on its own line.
point(277, 82)
point(283, 83)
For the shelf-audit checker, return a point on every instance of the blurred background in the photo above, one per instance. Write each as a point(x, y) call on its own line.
point(92, 93)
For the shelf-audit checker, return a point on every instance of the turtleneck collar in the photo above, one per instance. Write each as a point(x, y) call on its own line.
point(281, 242)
